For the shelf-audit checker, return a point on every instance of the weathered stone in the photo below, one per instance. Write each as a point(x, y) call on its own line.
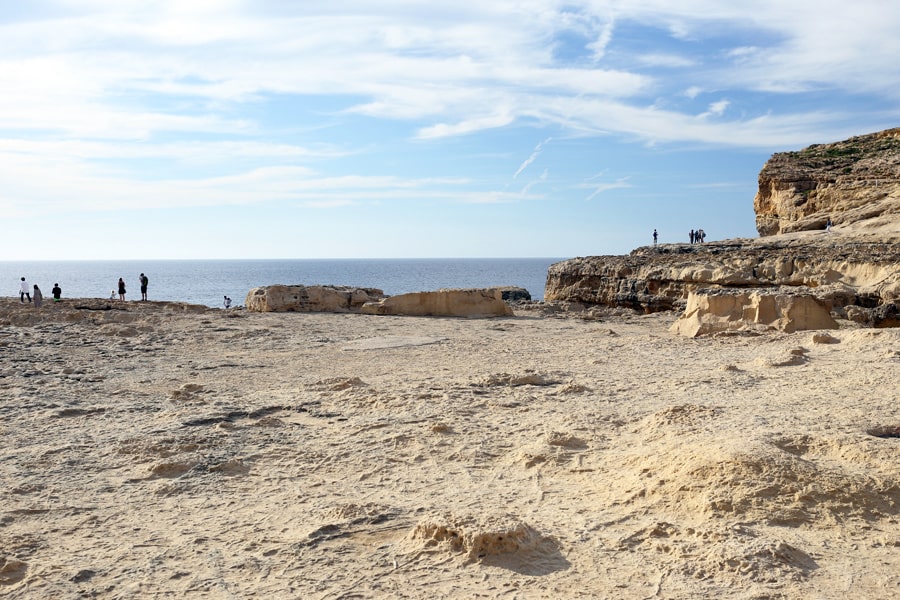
point(653, 279)
point(886, 315)
point(443, 303)
point(853, 181)
point(314, 298)
point(718, 311)
point(514, 294)
point(854, 267)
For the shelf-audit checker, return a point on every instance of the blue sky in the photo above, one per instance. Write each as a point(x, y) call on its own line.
point(526, 128)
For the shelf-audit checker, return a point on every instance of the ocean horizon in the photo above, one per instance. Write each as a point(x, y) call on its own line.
point(208, 281)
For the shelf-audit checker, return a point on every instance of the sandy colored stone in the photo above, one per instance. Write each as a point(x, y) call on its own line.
point(710, 312)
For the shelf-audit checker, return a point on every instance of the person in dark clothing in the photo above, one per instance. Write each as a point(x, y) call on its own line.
point(57, 292)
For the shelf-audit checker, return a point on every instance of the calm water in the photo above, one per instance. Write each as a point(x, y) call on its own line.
point(207, 281)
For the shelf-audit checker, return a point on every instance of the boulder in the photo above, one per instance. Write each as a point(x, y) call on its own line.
point(443, 303)
point(717, 311)
point(514, 294)
point(313, 298)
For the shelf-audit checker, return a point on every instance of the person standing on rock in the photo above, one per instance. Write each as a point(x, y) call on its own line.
point(144, 281)
point(692, 236)
point(227, 302)
point(24, 291)
point(38, 297)
point(121, 289)
point(57, 292)
point(654, 237)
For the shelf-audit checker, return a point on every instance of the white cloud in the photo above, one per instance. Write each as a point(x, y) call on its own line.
point(693, 91)
point(72, 73)
point(534, 154)
point(194, 82)
point(599, 188)
point(716, 109)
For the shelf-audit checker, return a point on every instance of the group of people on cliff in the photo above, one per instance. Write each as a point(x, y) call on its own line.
point(698, 236)
point(144, 280)
point(36, 297)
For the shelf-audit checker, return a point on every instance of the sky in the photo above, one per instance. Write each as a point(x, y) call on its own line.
point(359, 129)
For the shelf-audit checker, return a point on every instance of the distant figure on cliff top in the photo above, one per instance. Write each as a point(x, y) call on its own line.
point(654, 237)
point(24, 291)
point(692, 236)
point(121, 289)
point(38, 297)
point(144, 281)
point(57, 292)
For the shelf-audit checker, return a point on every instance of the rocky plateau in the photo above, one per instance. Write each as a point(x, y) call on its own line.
point(851, 269)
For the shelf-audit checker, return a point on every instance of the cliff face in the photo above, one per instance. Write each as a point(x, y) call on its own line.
point(854, 181)
point(854, 270)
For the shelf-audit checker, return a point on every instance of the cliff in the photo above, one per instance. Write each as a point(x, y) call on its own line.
point(856, 181)
point(853, 270)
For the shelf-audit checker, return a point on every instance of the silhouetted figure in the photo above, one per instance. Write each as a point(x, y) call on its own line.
point(24, 291)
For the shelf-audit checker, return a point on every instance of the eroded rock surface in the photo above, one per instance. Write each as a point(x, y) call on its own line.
point(853, 268)
point(313, 298)
point(486, 302)
point(853, 181)
point(443, 303)
point(733, 310)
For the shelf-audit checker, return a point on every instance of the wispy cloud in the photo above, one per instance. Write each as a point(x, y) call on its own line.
point(109, 95)
point(534, 154)
point(601, 187)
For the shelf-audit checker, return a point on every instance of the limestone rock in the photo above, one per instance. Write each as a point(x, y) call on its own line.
point(314, 298)
point(709, 312)
point(443, 303)
point(514, 294)
point(854, 268)
point(856, 181)
point(855, 273)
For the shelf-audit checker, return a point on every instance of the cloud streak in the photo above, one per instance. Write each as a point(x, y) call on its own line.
point(113, 106)
point(533, 157)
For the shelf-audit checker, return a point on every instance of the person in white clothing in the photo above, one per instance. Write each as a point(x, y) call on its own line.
point(24, 291)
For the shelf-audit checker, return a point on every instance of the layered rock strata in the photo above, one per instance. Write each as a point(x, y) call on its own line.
point(312, 298)
point(487, 302)
point(829, 217)
point(852, 181)
point(734, 310)
point(443, 303)
point(862, 275)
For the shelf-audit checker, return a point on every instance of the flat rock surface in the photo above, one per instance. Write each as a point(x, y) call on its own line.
point(395, 341)
point(155, 451)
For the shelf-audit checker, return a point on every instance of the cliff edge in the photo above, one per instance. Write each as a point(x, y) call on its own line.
point(853, 269)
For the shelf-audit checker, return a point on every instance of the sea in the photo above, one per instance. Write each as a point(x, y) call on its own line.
point(207, 282)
